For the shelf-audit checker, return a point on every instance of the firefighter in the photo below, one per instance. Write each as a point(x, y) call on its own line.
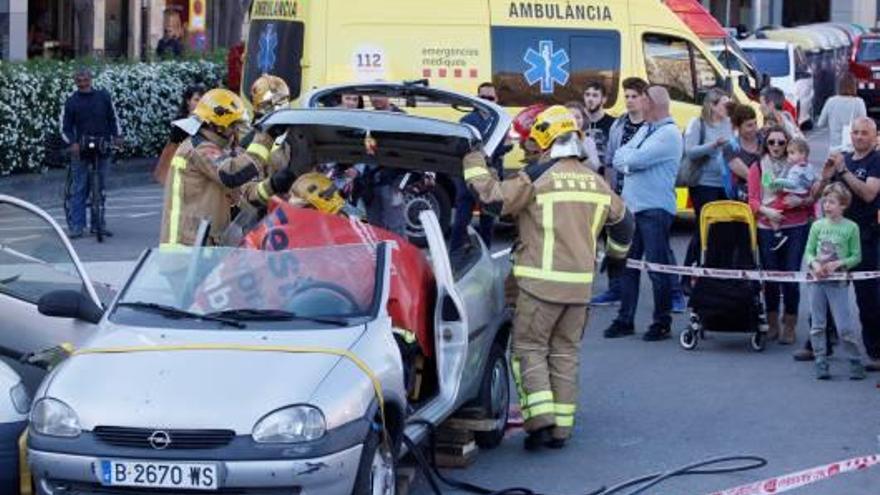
point(270, 93)
point(560, 206)
point(206, 170)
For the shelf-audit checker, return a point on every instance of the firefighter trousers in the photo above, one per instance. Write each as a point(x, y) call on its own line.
point(545, 362)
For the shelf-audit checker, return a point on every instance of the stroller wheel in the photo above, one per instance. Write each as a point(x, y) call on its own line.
point(688, 339)
point(758, 341)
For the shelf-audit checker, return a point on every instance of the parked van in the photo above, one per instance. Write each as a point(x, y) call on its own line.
point(534, 51)
point(789, 71)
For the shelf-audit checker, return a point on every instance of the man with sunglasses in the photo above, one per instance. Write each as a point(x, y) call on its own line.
point(464, 199)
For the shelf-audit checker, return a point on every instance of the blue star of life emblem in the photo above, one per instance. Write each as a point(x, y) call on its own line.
point(268, 47)
point(546, 66)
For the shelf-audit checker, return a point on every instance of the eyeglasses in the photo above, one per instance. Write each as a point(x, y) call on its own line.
point(773, 142)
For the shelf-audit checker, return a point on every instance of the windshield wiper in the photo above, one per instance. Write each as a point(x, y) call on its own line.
point(172, 312)
point(278, 315)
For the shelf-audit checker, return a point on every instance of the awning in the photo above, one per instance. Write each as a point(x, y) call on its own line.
point(697, 18)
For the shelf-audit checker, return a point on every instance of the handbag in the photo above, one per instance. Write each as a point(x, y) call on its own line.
point(689, 171)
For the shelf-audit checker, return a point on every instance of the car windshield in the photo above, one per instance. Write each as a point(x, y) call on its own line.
point(869, 50)
point(211, 286)
point(773, 62)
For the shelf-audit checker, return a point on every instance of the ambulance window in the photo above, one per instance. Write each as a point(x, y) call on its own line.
point(534, 65)
point(707, 77)
point(668, 63)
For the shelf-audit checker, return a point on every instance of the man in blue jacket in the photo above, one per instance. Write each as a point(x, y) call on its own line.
point(88, 112)
point(649, 163)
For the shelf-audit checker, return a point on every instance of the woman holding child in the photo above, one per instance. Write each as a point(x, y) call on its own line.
point(780, 196)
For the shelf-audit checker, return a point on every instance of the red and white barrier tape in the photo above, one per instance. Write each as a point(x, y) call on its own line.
point(793, 481)
point(755, 275)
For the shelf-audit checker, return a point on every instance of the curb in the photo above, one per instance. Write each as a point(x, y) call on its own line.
point(48, 187)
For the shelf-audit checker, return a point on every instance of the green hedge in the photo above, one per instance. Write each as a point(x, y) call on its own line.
point(146, 97)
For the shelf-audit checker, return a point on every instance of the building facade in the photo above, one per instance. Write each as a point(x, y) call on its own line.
point(757, 13)
point(113, 28)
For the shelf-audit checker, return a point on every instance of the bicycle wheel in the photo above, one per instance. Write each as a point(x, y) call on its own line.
point(97, 203)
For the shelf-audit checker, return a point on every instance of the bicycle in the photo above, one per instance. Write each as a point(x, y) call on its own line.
point(91, 149)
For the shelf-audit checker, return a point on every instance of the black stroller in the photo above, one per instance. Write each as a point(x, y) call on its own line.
point(728, 240)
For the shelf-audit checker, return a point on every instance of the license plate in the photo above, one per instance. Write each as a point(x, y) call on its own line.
point(183, 475)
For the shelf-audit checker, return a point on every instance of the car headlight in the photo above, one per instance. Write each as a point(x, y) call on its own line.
point(21, 399)
point(54, 418)
point(290, 425)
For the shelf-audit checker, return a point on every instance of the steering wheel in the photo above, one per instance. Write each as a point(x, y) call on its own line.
point(328, 298)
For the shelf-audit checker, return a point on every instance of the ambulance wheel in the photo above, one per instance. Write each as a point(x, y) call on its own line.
point(494, 398)
point(377, 471)
point(758, 340)
point(688, 339)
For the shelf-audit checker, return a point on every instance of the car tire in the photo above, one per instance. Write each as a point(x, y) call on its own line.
point(494, 397)
point(437, 199)
point(377, 470)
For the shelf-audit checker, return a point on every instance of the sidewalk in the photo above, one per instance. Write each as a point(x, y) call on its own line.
point(48, 188)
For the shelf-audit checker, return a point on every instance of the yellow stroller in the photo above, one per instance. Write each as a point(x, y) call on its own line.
point(728, 240)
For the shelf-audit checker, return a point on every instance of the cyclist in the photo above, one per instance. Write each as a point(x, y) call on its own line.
point(88, 114)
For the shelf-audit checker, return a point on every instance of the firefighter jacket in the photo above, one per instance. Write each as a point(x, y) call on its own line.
point(560, 207)
point(203, 176)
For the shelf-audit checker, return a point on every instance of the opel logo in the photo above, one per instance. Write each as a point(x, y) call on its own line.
point(160, 440)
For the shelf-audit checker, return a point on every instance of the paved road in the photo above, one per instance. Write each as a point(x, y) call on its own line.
point(644, 406)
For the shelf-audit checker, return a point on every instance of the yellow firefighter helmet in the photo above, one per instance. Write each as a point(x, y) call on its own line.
point(222, 108)
point(552, 124)
point(269, 93)
point(319, 191)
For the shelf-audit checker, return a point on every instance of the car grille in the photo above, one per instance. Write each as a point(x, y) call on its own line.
point(139, 438)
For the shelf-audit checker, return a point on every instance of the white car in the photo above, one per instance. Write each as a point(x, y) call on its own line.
point(788, 70)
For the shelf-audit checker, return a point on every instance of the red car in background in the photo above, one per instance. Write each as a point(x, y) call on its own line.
point(865, 66)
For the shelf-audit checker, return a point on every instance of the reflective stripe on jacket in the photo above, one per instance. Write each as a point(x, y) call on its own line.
point(559, 212)
point(203, 178)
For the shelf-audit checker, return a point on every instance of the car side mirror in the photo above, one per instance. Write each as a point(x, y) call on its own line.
point(69, 304)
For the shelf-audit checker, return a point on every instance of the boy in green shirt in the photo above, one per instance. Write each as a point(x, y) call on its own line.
point(833, 246)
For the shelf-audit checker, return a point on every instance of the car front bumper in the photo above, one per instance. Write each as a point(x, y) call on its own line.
point(331, 474)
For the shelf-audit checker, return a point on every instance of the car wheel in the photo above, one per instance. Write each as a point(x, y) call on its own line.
point(415, 202)
point(494, 398)
point(377, 471)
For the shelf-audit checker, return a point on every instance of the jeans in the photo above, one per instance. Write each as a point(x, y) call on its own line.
point(464, 206)
point(700, 196)
point(787, 258)
point(651, 241)
point(868, 292)
point(386, 209)
point(79, 193)
point(833, 296)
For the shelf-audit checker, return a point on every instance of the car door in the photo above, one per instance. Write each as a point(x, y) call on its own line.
point(37, 258)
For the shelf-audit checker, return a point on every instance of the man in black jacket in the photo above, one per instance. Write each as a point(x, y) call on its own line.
point(88, 112)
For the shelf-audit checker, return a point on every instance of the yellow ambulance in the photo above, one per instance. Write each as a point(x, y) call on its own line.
point(533, 51)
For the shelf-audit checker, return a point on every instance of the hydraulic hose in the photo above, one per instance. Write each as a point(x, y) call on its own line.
point(434, 477)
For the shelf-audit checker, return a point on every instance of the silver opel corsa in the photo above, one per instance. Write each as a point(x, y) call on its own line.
point(248, 371)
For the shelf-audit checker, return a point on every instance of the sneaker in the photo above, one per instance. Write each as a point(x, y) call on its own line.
point(537, 439)
point(617, 330)
point(679, 305)
point(823, 372)
point(656, 332)
point(857, 370)
point(105, 232)
point(779, 241)
point(803, 355)
point(606, 298)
